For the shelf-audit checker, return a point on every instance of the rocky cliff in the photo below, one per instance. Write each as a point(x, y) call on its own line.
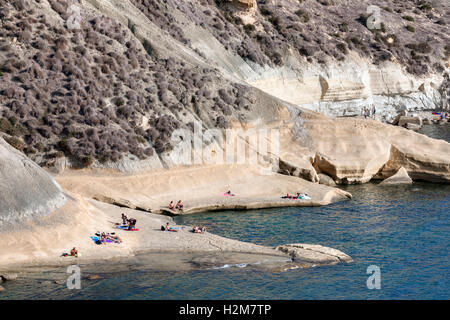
point(106, 82)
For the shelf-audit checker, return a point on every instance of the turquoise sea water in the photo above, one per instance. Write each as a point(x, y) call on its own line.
point(405, 230)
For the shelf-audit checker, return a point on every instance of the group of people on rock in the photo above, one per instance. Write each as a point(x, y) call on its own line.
point(370, 113)
point(131, 223)
point(178, 206)
point(104, 236)
point(196, 229)
point(298, 196)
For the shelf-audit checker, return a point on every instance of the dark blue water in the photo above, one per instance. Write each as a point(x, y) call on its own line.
point(405, 230)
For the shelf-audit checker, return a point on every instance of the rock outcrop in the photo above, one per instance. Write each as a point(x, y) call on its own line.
point(298, 167)
point(314, 253)
point(401, 177)
point(410, 120)
point(26, 190)
point(357, 150)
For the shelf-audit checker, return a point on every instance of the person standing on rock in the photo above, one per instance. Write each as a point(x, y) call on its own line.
point(374, 111)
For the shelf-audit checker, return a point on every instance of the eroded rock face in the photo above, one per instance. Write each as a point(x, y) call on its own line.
point(298, 167)
point(356, 150)
point(426, 160)
point(26, 190)
point(401, 177)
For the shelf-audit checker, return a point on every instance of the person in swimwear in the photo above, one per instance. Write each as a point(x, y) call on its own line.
point(74, 252)
point(179, 205)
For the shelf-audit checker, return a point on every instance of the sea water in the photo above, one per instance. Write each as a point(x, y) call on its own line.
point(403, 230)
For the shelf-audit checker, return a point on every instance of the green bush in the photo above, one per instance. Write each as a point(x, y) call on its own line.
point(12, 127)
point(249, 28)
point(343, 27)
point(409, 18)
point(15, 142)
point(131, 26)
point(5, 125)
point(447, 50)
point(150, 49)
point(410, 28)
point(140, 139)
point(264, 11)
point(425, 6)
point(87, 161)
point(342, 47)
point(302, 14)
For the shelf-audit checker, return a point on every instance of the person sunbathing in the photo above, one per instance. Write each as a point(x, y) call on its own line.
point(131, 223)
point(169, 228)
point(179, 205)
point(229, 193)
point(74, 252)
point(171, 205)
point(102, 238)
point(116, 239)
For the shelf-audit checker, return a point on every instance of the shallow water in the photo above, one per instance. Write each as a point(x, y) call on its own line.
point(436, 131)
point(405, 230)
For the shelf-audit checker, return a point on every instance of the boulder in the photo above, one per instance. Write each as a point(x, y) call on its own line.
point(313, 253)
point(401, 177)
point(326, 180)
point(2, 289)
point(402, 113)
point(427, 121)
point(410, 120)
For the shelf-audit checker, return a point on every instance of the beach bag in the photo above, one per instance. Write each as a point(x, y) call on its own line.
point(162, 228)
